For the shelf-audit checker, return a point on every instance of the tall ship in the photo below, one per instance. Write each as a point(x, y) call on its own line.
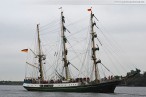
point(64, 82)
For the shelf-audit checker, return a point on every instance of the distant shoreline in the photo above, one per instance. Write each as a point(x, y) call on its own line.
point(21, 83)
point(138, 81)
point(11, 82)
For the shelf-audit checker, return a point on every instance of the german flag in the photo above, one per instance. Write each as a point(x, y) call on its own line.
point(24, 50)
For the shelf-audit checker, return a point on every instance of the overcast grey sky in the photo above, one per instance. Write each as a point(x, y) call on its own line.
point(18, 19)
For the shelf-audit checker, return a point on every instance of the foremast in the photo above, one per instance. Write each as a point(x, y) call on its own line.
point(94, 48)
point(40, 56)
point(64, 41)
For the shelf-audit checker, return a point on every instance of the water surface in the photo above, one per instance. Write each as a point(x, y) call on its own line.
point(19, 91)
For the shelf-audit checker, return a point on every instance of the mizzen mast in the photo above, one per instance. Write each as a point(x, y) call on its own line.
point(64, 41)
point(40, 55)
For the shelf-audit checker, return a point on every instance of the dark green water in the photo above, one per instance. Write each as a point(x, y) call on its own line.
point(19, 91)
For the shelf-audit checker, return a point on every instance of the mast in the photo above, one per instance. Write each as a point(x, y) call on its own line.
point(64, 40)
point(40, 56)
point(94, 48)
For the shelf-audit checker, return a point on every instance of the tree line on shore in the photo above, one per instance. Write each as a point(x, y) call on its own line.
point(137, 80)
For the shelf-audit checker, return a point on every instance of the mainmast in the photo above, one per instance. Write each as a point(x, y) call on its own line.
point(40, 55)
point(64, 40)
point(94, 48)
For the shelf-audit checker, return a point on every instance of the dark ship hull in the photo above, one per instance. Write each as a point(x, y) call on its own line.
point(107, 87)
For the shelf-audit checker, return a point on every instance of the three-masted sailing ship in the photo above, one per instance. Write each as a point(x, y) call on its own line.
point(65, 83)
